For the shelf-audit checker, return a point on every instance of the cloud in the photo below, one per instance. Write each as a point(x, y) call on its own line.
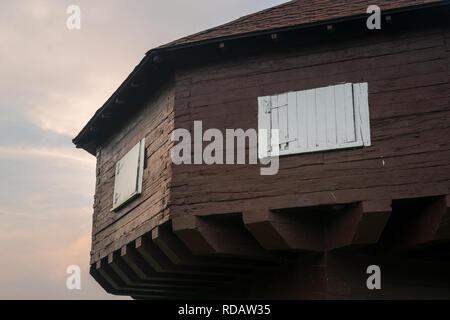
point(23, 133)
point(63, 76)
point(52, 80)
point(39, 272)
point(63, 153)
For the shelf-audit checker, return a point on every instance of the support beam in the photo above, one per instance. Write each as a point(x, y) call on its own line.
point(159, 262)
point(105, 285)
point(114, 285)
point(282, 231)
point(131, 280)
point(319, 228)
point(145, 272)
point(443, 229)
point(179, 254)
point(362, 224)
point(223, 235)
point(417, 223)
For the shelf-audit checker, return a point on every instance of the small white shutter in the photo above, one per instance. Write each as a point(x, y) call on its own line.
point(264, 126)
point(302, 120)
point(283, 121)
point(311, 119)
point(293, 124)
point(283, 117)
point(330, 115)
point(129, 175)
point(321, 114)
point(274, 124)
point(345, 115)
point(350, 134)
point(362, 116)
point(328, 118)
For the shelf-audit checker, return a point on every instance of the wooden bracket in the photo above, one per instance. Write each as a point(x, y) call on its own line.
point(318, 230)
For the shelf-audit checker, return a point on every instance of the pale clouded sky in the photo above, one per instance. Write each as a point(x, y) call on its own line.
point(52, 80)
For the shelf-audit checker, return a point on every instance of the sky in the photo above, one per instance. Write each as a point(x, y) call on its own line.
point(52, 80)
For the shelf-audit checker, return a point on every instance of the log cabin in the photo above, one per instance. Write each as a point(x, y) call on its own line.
point(363, 148)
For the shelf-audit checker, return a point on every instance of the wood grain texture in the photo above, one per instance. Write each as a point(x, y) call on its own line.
point(113, 230)
point(408, 77)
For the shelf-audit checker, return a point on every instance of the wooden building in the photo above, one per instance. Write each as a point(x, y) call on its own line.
point(365, 183)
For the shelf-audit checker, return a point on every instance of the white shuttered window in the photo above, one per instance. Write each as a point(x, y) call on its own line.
point(129, 176)
point(328, 118)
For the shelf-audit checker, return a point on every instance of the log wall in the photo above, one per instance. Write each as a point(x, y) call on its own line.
point(113, 230)
point(408, 77)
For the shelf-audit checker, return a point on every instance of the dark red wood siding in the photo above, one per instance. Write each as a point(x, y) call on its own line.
point(113, 230)
point(408, 77)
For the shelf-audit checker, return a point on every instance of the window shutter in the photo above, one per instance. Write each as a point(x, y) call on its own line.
point(302, 120)
point(283, 117)
point(129, 176)
point(280, 122)
point(330, 114)
point(282, 103)
point(293, 125)
point(311, 120)
point(274, 124)
point(264, 126)
point(345, 116)
point(362, 116)
point(328, 118)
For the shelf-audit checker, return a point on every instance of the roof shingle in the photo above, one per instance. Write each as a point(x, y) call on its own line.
point(293, 13)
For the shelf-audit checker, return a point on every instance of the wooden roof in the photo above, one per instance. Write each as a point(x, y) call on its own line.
point(293, 13)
